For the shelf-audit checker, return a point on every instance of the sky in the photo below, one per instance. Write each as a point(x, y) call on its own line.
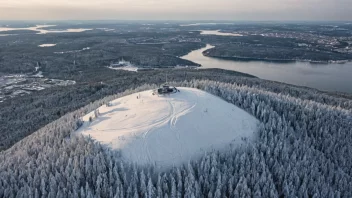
point(315, 10)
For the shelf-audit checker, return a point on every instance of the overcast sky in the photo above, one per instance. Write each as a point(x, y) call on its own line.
point(176, 9)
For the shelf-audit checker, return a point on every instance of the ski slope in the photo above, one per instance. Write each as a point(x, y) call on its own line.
point(169, 130)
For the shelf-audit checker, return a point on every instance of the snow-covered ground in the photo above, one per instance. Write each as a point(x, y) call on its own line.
point(47, 45)
point(39, 29)
point(8, 34)
point(105, 29)
point(205, 24)
point(39, 74)
point(73, 51)
point(217, 32)
point(169, 130)
point(126, 68)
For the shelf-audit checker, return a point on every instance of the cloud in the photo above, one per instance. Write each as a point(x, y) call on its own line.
point(178, 9)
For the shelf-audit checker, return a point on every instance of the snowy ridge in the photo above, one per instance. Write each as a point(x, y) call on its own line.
point(171, 129)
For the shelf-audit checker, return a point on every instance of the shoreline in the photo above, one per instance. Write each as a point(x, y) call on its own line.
point(249, 59)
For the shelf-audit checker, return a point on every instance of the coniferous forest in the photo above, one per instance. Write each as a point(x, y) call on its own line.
point(303, 148)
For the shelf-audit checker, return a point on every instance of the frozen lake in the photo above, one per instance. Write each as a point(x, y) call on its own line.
point(329, 77)
point(217, 32)
point(38, 28)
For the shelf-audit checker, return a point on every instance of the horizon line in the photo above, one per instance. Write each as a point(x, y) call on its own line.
point(192, 20)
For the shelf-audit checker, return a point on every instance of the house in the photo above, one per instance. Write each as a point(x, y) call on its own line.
point(166, 89)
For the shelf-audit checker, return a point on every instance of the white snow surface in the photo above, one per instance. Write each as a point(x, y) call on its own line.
point(47, 45)
point(217, 32)
point(171, 129)
point(39, 29)
point(126, 68)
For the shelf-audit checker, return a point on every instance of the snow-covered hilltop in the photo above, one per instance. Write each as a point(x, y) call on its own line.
point(298, 139)
point(169, 129)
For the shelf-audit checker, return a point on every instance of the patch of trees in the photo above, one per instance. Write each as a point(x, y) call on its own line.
point(323, 42)
point(78, 52)
point(303, 150)
point(250, 52)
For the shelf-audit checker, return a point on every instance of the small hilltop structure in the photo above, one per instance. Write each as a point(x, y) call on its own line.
point(165, 89)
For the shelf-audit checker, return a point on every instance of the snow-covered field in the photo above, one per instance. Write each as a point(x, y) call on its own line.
point(171, 129)
point(39, 29)
point(47, 45)
point(126, 68)
point(217, 32)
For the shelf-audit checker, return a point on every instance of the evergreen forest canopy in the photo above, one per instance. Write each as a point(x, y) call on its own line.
point(304, 145)
point(303, 148)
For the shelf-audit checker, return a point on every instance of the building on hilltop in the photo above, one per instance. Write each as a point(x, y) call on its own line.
point(166, 89)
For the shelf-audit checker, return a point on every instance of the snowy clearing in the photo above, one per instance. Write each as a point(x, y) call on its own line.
point(73, 51)
point(38, 28)
point(105, 29)
point(171, 129)
point(126, 68)
point(47, 45)
point(39, 74)
point(217, 32)
point(8, 34)
point(205, 24)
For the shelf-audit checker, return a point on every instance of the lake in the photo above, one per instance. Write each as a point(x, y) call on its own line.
point(38, 28)
point(217, 32)
point(327, 77)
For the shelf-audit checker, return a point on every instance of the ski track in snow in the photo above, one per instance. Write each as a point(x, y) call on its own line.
point(169, 130)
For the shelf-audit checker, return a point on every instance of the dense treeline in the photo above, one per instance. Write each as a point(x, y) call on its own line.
point(24, 115)
point(316, 42)
point(303, 150)
point(161, 44)
point(78, 52)
point(267, 52)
